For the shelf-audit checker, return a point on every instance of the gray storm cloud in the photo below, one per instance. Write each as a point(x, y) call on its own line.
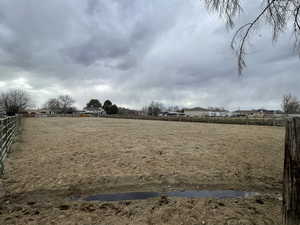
point(133, 52)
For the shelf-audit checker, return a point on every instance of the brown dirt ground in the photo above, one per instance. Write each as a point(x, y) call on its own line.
point(56, 158)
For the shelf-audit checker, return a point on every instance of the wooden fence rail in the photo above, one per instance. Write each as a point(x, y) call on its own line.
point(222, 120)
point(8, 130)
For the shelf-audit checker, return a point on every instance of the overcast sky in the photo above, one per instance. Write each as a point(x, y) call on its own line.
point(136, 51)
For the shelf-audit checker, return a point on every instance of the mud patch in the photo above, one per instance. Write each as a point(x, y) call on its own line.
point(182, 194)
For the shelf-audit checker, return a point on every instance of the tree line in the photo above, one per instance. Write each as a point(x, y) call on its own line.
point(17, 101)
point(64, 104)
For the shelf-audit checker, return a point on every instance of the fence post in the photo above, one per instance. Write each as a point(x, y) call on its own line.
point(291, 177)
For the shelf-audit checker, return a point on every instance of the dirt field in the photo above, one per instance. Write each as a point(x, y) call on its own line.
point(56, 158)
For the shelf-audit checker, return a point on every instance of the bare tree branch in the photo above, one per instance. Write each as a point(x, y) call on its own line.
point(277, 13)
point(15, 101)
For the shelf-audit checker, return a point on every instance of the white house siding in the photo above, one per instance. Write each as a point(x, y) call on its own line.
point(207, 113)
point(196, 113)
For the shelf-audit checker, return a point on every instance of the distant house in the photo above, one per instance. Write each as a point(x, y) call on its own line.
point(174, 114)
point(29, 113)
point(218, 112)
point(37, 112)
point(242, 113)
point(45, 112)
point(258, 113)
point(203, 112)
point(269, 113)
point(162, 114)
point(196, 112)
point(93, 111)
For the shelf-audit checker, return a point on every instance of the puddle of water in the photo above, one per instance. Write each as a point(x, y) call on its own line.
point(182, 194)
point(123, 196)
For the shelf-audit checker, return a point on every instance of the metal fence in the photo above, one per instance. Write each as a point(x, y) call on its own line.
point(8, 130)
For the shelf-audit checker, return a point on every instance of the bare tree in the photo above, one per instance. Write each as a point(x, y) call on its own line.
point(173, 108)
point(279, 14)
point(145, 110)
point(61, 104)
point(290, 104)
point(15, 101)
point(53, 104)
point(66, 102)
point(155, 108)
